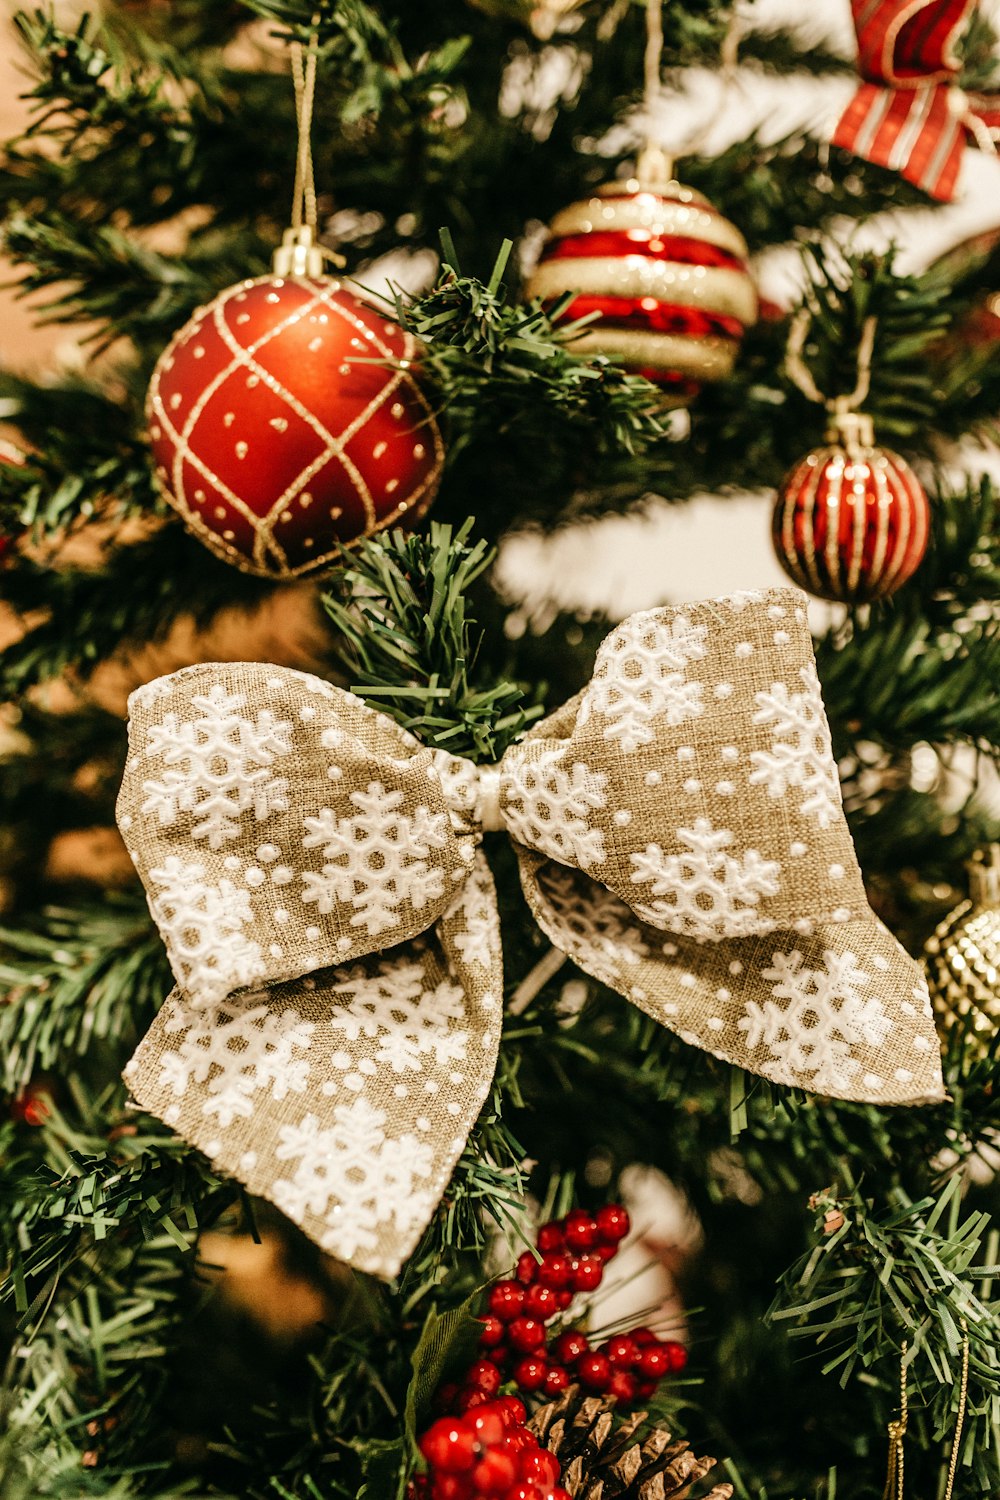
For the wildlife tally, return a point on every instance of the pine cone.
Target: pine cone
(604, 1461)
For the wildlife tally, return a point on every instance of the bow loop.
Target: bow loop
(286, 825)
(908, 114)
(332, 922)
(694, 776)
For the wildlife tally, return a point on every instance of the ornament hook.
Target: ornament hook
(846, 424)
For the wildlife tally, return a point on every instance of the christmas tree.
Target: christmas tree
(436, 927)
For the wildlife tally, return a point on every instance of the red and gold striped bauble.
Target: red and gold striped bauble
(851, 520)
(666, 273)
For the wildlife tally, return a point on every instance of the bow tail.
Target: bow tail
(346, 1097)
(837, 1008)
(912, 131)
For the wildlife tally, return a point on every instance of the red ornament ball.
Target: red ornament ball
(851, 521)
(667, 275)
(275, 437)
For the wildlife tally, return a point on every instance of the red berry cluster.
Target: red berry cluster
(515, 1345)
(573, 1253)
(487, 1454)
(628, 1366)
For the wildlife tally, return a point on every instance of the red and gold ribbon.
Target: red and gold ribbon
(909, 114)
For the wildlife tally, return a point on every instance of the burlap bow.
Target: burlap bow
(908, 114)
(332, 922)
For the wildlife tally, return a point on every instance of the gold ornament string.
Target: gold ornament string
(801, 375)
(304, 79)
(729, 53)
(654, 165)
(897, 1432)
(963, 1396)
(652, 84)
(846, 422)
(894, 1486)
(299, 253)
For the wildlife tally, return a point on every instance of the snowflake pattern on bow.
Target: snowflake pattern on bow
(640, 675)
(703, 891)
(811, 1036)
(372, 1179)
(547, 806)
(219, 766)
(591, 919)
(236, 1049)
(202, 925)
(801, 754)
(477, 939)
(377, 859)
(409, 1022)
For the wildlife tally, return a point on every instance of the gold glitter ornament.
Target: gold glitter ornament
(962, 958)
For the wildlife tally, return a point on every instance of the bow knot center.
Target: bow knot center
(471, 792)
(488, 809)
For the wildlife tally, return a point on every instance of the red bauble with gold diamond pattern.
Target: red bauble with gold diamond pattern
(666, 274)
(851, 520)
(284, 419)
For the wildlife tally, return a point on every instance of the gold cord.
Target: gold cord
(304, 79)
(652, 62)
(897, 1432)
(799, 373)
(729, 53)
(963, 1397)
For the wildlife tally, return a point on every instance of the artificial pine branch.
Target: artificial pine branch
(480, 342)
(76, 979)
(145, 1184)
(85, 457)
(922, 666)
(407, 640)
(99, 273)
(876, 1281)
(134, 598)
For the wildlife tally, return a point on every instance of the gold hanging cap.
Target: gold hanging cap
(984, 876)
(654, 168)
(852, 429)
(298, 254)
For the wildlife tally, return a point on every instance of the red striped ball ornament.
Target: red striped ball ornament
(851, 520)
(666, 274)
